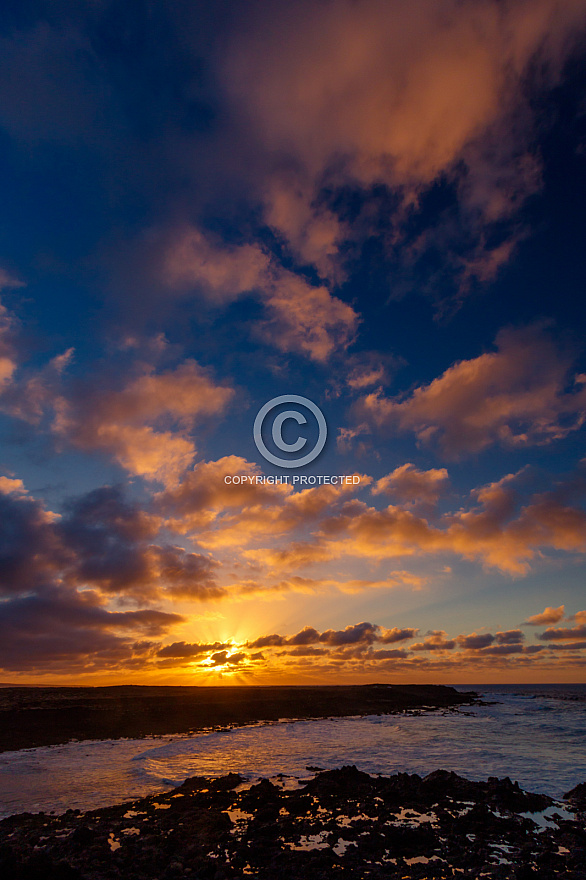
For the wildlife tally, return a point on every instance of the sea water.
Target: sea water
(533, 734)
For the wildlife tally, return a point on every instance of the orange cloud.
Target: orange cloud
(368, 370)
(548, 615)
(307, 319)
(7, 352)
(220, 272)
(25, 394)
(203, 493)
(226, 514)
(251, 588)
(412, 486)
(515, 396)
(396, 94)
(299, 317)
(435, 640)
(497, 531)
(10, 485)
(145, 424)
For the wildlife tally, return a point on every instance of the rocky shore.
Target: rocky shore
(32, 717)
(338, 823)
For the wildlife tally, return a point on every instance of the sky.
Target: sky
(373, 205)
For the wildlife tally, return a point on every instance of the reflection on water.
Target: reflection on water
(537, 739)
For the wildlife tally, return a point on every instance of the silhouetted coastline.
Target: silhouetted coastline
(42, 716)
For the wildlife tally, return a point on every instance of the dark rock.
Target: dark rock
(386, 823)
(577, 795)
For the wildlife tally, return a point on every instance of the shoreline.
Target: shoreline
(340, 821)
(37, 717)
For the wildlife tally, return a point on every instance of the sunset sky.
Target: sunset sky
(378, 205)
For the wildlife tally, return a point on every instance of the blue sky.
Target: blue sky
(376, 206)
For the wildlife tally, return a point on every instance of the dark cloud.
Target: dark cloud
(503, 650)
(109, 537)
(307, 651)
(390, 636)
(390, 654)
(31, 551)
(221, 658)
(273, 641)
(60, 573)
(475, 641)
(510, 637)
(562, 633)
(68, 630)
(103, 541)
(359, 633)
(307, 636)
(186, 649)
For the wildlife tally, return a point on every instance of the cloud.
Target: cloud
(7, 332)
(365, 633)
(272, 641)
(26, 393)
(144, 422)
(222, 658)
(184, 650)
(412, 486)
(299, 317)
(375, 93)
(220, 272)
(506, 537)
(145, 425)
(369, 369)
(66, 577)
(112, 545)
(474, 641)
(203, 493)
(500, 529)
(515, 396)
(62, 629)
(101, 541)
(357, 634)
(283, 115)
(548, 615)
(435, 640)
(510, 637)
(31, 554)
(503, 650)
(9, 485)
(566, 633)
(224, 514)
(8, 281)
(355, 651)
(390, 636)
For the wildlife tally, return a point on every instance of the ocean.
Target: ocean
(535, 734)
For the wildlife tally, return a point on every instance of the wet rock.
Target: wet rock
(577, 795)
(344, 822)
